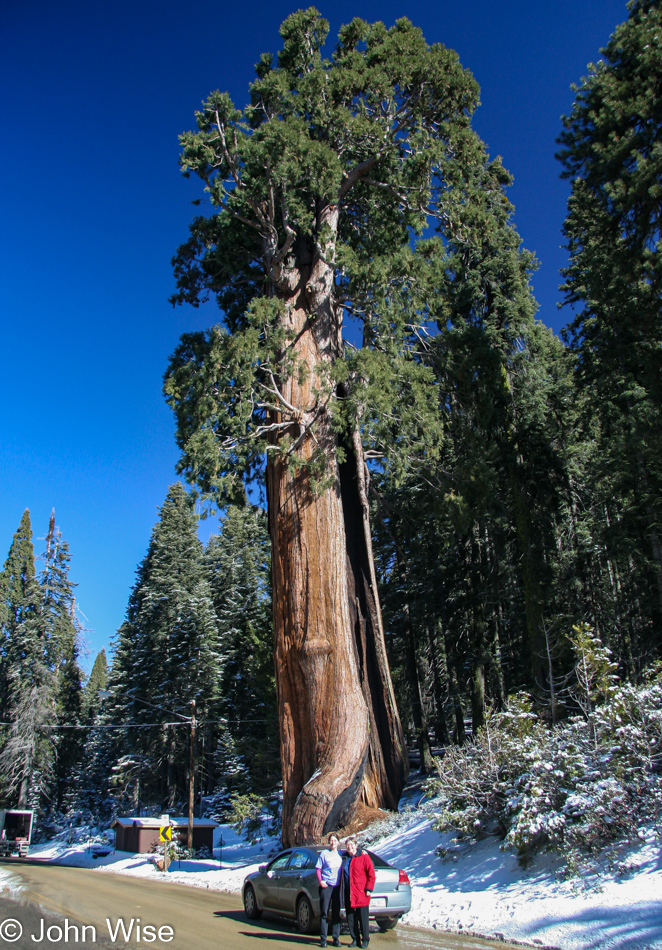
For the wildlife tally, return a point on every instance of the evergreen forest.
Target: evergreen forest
(511, 479)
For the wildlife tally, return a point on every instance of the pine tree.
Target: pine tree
(61, 633)
(18, 599)
(610, 152)
(69, 740)
(490, 518)
(165, 656)
(238, 567)
(90, 784)
(27, 682)
(98, 681)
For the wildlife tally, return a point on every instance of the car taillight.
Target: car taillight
(403, 879)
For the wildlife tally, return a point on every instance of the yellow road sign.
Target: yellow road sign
(166, 833)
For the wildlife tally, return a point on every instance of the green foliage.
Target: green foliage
(213, 385)
(98, 681)
(61, 632)
(547, 478)
(571, 788)
(339, 163)
(611, 153)
(594, 669)
(40, 679)
(247, 815)
(238, 566)
(28, 687)
(19, 605)
(540, 508)
(198, 626)
(166, 655)
(485, 527)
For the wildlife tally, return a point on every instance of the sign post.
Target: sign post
(165, 835)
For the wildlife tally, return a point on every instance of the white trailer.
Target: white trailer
(15, 832)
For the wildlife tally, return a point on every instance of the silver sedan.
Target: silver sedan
(288, 886)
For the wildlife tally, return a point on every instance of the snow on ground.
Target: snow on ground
(481, 890)
(239, 859)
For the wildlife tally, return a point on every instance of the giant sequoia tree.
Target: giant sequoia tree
(321, 192)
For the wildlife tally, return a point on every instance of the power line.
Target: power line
(128, 725)
(105, 693)
(152, 725)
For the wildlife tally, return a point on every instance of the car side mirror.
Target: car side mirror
(262, 868)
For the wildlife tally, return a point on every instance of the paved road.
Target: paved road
(200, 919)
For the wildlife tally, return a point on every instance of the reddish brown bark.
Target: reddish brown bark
(341, 739)
(387, 764)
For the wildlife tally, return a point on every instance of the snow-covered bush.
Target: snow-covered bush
(574, 787)
(483, 784)
(392, 823)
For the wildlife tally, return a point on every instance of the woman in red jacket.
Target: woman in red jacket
(359, 882)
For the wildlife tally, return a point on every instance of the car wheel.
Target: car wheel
(386, 923)
(253, 912)
(305, 916)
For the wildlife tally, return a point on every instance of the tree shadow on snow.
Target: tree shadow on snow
(628, 927)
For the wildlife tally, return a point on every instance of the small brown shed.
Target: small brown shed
(141, 835)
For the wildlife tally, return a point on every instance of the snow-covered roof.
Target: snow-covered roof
(157, 822)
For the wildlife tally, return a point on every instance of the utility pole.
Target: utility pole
(191, 778)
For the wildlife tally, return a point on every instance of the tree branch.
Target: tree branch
(350, 180)
(297, 413)
(231, 165)
(384, 186)
(280, 256)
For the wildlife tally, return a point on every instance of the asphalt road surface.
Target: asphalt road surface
(58, 902)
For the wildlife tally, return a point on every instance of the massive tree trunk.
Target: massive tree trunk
(341, 738)
(388, 763)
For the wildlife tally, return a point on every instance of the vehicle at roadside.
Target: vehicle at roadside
(288, 887)
(15, 832)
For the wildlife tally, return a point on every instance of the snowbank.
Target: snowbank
(484, 891)
(239, 859)
(481, 890)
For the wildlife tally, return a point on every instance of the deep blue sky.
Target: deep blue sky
(94, 95)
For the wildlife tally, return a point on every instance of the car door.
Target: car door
(291, 879)
(272, 879)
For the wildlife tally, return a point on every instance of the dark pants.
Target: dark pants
(358, 921)
(330, 900)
